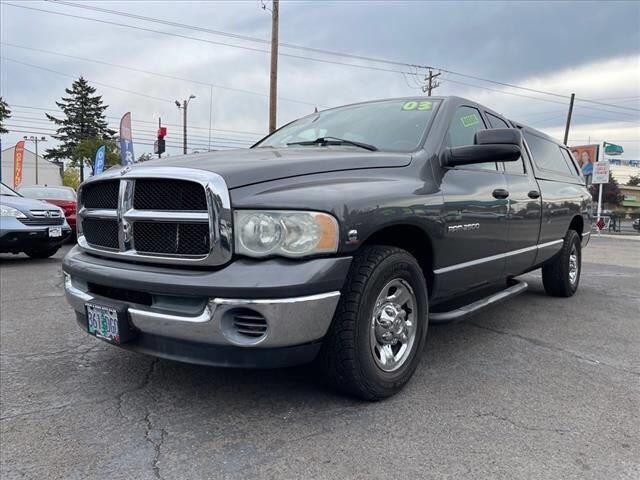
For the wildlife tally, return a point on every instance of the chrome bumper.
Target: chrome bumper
(290, 321)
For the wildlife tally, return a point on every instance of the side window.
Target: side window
(516, 167)
(465, 123)
(546, 154)
(496, 122)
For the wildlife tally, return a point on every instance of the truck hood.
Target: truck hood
(248, 166)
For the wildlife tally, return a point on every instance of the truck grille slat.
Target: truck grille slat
(101, 233)
(153, 194)
(172, 238)
(100, 195)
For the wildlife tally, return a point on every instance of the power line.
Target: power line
(316, 50)
(93, 81)
(141, 131)
(240, 132)
(213, 42)
(163, 75)
(504, 92)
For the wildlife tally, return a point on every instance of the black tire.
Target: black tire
(556, 275)
(347, 357)
(42, 253)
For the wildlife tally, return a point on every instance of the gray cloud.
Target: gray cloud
(513, 42)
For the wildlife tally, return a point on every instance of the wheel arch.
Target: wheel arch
(411, 238)
(577, 224)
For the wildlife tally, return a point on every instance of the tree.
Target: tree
(71, 178)
(145, 157)
(610, 192)
(84, 118)
(85, 152)
(4, 114)
(634, 181)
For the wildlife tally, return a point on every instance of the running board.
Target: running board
(462, 312)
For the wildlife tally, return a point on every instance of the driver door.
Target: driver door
(475, 228)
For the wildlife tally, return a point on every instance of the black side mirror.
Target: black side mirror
(496, 145)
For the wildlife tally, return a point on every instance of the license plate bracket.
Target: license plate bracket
(109, 322)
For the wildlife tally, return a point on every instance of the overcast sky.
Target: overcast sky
(590, 48)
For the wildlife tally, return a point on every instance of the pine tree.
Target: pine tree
(4, 114)
(84, 119)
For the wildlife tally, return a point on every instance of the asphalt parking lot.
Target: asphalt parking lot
(535, 388)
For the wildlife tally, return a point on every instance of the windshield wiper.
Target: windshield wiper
(335, 141)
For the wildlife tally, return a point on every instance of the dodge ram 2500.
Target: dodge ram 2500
(338, 238)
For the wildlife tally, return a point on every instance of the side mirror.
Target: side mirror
(496, 145)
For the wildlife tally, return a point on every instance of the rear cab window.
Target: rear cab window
(547, 155)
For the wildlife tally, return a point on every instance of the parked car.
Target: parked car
(31, 226)
(337, 238)
(64, 197)
(636, 224)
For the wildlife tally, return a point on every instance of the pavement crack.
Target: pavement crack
(521, 425)
(155, 437)
(555, 348)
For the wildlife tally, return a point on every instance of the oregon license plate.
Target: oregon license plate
(55, 232)
(102, 322)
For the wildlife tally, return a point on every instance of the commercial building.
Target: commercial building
(630, 200)
(49, 173)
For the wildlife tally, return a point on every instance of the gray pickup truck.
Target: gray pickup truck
(336, 239)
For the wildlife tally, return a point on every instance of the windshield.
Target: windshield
(48, 193)
(4, 190)
(391, 125)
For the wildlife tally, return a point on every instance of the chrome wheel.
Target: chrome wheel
(574, 268)
(393, 325)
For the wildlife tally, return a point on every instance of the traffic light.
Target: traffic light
(160, 145)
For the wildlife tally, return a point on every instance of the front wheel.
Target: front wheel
(561, 275)
(378, 332)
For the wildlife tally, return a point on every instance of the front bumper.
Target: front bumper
(17, 237)
(191, 315)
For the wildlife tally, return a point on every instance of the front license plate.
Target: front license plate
(55, 232)
(102, 322)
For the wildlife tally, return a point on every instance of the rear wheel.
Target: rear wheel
(42, 253)
(561, 275)
(378, 332)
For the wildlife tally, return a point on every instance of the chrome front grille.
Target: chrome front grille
(158, 215)
(43, 217)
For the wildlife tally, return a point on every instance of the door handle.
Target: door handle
(500, 193)
(534, 194)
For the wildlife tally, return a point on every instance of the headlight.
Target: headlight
(6, 211)
(261, 233)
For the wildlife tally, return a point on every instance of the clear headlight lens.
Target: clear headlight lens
(261, 233)
(6, 211)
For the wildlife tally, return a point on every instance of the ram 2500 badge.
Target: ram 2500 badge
(338, 238)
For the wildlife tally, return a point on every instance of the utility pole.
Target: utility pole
(566, 128)
(183, 106)
(273, 85)
(431, 82)
(35, 140)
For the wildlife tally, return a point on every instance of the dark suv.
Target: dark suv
(338, 238)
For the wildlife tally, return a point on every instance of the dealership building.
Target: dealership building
(49, 173)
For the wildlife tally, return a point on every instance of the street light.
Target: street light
(35, 140)
(183, 106)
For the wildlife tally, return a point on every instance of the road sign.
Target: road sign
(613, 149)
(600, 172)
